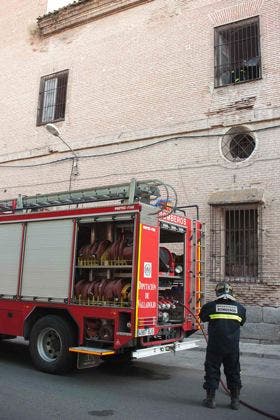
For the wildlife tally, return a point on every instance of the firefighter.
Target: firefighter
(224, 315)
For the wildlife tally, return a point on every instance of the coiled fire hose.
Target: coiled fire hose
(251, 407)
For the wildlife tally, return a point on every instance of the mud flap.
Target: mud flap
(85, 361)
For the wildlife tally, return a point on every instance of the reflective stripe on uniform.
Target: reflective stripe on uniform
(226, 316)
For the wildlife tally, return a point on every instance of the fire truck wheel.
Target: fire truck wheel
(50, 340)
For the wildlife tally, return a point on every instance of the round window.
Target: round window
(238, 144)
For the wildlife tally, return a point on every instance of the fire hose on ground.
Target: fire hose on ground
(251, 407)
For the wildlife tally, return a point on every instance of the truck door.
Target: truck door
(147, 280)
(47, 261)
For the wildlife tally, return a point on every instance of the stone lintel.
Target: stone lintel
(82, 12)
(246, 196)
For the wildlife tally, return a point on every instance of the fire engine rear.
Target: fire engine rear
(87, 283)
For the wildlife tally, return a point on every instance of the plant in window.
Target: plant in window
(237, 52)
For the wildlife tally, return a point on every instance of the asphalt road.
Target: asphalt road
(163, 387)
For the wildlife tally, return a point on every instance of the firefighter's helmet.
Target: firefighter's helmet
(224, 290)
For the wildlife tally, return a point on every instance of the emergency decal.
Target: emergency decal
(230, 309)
(173, 218)
(147, 270)
(147, 293)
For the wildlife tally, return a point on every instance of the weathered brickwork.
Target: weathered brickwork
(145, 77)
(82, 12)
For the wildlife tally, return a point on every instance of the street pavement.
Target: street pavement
(260, 373)
(163, 387)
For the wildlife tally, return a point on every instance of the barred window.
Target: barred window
(52, 97)
(236, 243)
(237, 52)
(238, 144)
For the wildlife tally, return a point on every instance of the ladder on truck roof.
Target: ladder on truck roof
(132, 192)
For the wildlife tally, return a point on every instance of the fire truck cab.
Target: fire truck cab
(85, 283)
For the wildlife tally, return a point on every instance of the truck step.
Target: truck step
(96, 351)
(165, 348)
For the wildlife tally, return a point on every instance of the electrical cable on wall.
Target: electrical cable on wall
(130, 149)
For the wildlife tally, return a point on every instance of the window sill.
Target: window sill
(39, 123)
(238, 83)
(82, 12)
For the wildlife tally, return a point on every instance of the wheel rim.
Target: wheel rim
(49, 344)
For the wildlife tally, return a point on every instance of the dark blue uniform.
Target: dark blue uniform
(225, 317)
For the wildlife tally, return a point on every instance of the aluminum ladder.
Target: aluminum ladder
(131, 192)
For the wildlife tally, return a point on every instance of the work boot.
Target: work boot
(210, 399)
(234, 395)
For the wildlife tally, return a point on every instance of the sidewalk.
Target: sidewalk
(268, 351)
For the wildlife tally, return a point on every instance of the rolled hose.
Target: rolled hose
(258, 410)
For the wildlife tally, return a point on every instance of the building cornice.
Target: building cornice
(81, 12)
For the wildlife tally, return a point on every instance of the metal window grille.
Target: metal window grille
(236, 243)
(238, 144)
(241, 146)
(52, 97)
(237, 52)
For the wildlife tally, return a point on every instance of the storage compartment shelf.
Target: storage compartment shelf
(95, 302)
(168, 276)
(105, 267)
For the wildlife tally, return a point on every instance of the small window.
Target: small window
(52, 98)
(238, 144)
(236, 243)
(237, 52)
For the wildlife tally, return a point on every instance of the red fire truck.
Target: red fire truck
(84, 282)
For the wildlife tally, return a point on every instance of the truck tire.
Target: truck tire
(49, 342)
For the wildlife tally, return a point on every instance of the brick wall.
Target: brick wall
(144, 77)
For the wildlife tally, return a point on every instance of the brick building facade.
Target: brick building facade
(182, 91)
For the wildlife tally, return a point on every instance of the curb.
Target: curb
(246, 353)
(261, 355)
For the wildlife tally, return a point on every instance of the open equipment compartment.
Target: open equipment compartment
(172, 282)
(104, 261)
